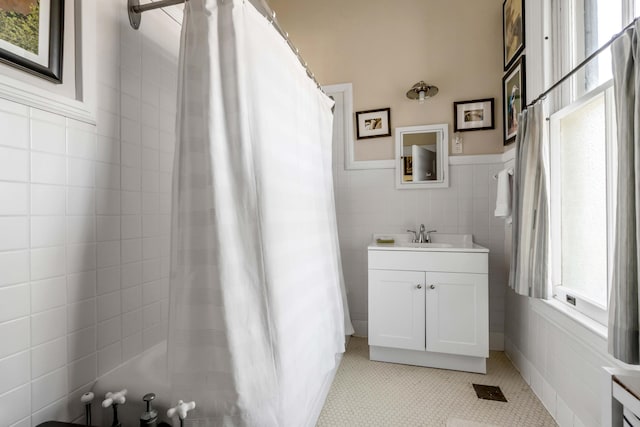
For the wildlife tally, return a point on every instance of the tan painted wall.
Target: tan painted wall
(384, 47)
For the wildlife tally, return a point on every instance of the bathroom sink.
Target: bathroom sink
(440, 242)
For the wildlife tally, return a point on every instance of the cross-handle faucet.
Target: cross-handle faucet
(421, 236)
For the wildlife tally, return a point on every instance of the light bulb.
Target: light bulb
(421, 97)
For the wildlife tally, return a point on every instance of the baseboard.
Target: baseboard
(518, 360)
(361, 328)
(496, 341)
(550, 399)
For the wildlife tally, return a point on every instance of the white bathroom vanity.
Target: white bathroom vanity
(429, 302)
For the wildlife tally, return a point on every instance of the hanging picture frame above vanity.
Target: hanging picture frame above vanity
(473, 115)
(513, 99)
(373, 123)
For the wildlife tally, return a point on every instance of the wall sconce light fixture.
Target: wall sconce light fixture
(422, 91)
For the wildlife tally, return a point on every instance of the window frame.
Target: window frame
(560, 55)
(566, 52)
(564, 294)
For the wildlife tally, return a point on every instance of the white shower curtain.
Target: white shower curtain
(257, 314)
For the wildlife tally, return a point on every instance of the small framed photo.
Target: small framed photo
(513, 99)
(473, 115)
(31, 36)
(407, 168)
(512, 30)
(373, 123)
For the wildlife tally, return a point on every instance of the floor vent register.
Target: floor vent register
(489, 392)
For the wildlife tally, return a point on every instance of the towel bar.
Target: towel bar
(510, 172)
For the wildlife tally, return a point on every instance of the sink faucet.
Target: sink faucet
(424, 236)
(421, 236)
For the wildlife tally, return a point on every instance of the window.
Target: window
(582, 170)
(600, 22)
(580, 28)
(582, 150)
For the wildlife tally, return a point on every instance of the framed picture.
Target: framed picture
(513, 98)
(31, 36)
(407, 168)
(373, 123)
(512, 30)
(473, 115)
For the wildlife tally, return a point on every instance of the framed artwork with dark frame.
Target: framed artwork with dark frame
(373, 123)
(473, 115)
(512, 30)
(31, 36)
(407, 168)
(513, 99)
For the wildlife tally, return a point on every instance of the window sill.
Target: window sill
(577, 325)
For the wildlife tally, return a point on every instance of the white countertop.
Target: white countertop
(440, 242)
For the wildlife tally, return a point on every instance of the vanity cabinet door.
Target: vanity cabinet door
(396, 309)
(457, 313)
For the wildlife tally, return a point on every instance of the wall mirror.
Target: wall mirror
(422, 156)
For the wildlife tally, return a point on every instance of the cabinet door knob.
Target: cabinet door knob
(432, 287)
(419, 286)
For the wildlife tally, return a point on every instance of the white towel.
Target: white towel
(503, 199)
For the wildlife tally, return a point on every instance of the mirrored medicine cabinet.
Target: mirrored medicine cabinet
(422, 156)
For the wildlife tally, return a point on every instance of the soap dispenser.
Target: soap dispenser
(150, 417)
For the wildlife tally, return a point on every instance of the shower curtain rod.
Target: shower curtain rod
(136, 9)
(582, 64)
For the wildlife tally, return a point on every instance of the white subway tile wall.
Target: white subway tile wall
(48, 357)
(84, 243)
(14, 336)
